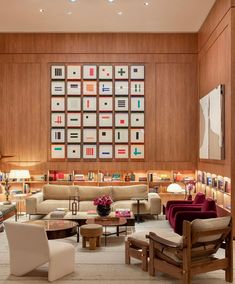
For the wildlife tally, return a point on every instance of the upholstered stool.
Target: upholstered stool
(91, 233)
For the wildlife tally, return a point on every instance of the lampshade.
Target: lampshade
(19, 174)
(175, 188)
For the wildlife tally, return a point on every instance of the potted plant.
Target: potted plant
(103, 205)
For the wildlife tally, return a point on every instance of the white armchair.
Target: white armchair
(27, 253)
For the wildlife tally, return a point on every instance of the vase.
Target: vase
(103, 210)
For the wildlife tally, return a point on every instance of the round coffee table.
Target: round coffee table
(57, 229)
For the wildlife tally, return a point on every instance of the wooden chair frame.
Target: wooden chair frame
(193, 261)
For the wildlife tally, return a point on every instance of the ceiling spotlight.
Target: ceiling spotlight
(69, 13)
(111, 1)
(119, 13)
(42, 10)
(146, 3)
(72, 1)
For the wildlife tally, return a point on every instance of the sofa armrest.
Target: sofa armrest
(178, 208)
(32, 202)
(155, 203)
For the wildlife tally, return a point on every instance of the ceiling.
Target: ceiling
(103, 16)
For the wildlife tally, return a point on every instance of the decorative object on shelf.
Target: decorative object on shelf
(103, 205)
(20, 175)
(190, 187)
(74, 204)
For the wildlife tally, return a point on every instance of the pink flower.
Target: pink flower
(104, 200)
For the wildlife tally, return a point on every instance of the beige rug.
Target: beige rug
(102, 266)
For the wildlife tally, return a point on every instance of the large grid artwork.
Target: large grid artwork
(97, 111)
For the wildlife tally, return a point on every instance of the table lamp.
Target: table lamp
(175, 188)
(19, 174)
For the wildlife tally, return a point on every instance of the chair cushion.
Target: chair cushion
(87, 193)
(59, 192)
(208, 205)
(49, 205)
(127, 192)
(199, 198)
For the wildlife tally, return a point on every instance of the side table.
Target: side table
(138, 199)
(20, 202)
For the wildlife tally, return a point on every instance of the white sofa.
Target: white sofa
(54, 196)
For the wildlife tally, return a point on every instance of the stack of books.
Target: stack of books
(125, 212)
(79, 177)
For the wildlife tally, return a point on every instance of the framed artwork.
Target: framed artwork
(105, 119)
(121, 135)
(121, 72)
(121, 88)
(204, 128)
(137, 88)
(137, 151)
(73, 119)
(89, 151)
(89, 135)
(105, 88)
(89, 119)
(105, 72)
(137, 135)
(137, 104)
(73, 135)
(57, 104)
(58, 151)
(57, 119)
(121, 151)
(89, 104)
(121, 120)
(106, 151)
(73, 103)
(89, 88)
(73, 151)
(105, 104)
(73, 88)
(105, 135)
(137, 72)
(57, 135)
(137, 119)
(73, 72)
(58, 88)
(89, 72)
(121, 104)
(57, 72)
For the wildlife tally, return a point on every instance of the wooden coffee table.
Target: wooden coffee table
(57, 229)
(109, 222)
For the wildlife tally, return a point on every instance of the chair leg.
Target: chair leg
(151, 259)
(127, 256)
(92, 243)
(144, 264)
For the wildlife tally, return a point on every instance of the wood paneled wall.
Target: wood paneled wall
(171, 95)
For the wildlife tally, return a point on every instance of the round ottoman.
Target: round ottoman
(91, 233)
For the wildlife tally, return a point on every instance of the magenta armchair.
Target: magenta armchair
(198, 200)
(189, 213)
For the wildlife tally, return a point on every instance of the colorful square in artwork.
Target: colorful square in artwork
(105, 72)
(74, 72)
(137, 119)
(105, 135)
(73, 103)
(121, 120)
(137, 151)
(57, 135)
(89, 104)
(105, 104)
(89, 151)
(137, 88)
(89, 135)
(121, 88)
(58, 151)
(58, 119)
(89, 72)
(89, 119)
(73, 119)
(121, 72)
(73, 135)
(57, 104)
(73, 151)
(105, 119)
(74, 88)
(137, 72)
(137, 135)
(58, 88)
(105, 88)
(137, 104)
(121, 135)
(105, 151)
(57, 72)
(89, 88)
(121, 152)
(121, 104)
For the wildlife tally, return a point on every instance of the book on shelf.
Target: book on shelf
(79, 177)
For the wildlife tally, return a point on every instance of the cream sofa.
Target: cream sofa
(54, 196)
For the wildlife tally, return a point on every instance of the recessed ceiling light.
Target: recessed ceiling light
(119, 13)
(146, 3)
(111, 1)
(69, 13)
(72, 1)
(42, 10)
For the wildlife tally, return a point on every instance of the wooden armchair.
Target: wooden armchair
(194, 253)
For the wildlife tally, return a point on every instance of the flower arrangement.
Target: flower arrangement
(104, 200)
(191, 185)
